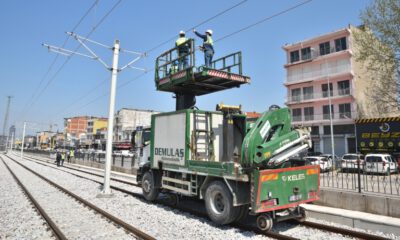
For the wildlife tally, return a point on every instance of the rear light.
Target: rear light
(312, 194)
(270, 202)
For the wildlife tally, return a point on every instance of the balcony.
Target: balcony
(317, 96)
(342, 117)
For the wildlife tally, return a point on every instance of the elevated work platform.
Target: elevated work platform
(178, 73)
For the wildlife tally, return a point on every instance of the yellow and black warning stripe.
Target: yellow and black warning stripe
(377, 120)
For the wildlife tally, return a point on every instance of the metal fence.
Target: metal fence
(117, 159)
(356, 177)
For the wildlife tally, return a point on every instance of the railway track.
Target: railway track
(78, 206)
(275, 235)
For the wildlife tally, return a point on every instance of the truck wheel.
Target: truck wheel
(264, 222)
(242, 213)
(150, 192)
(303, 215)
(219, 203)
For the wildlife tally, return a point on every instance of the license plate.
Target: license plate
(294, 198)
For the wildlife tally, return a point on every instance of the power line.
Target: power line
(220, 39)
(56, 57)
(76, 49)
(164, 42)
(197, 25)
(264, 19)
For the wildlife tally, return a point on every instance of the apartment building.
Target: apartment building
(126, 121)
(93, 125)
(325, 83)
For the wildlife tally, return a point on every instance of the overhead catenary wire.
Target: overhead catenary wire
(165, 42)
(76, 49)
(219, 39)
(56, 57)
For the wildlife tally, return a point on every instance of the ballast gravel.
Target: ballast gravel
(74, 219)
(18, 216)
(163, 222)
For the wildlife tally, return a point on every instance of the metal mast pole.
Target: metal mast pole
(6, 116)
(23, 142)
(114, 72)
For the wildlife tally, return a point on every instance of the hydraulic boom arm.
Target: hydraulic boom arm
(272, 140)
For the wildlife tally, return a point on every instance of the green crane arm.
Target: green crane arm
(272, 140)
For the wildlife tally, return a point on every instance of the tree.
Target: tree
(379, 52)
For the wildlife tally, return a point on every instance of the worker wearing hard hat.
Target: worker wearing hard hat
(183, 50)
(207, 46)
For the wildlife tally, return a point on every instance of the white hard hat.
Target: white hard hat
(181, 32)
(209, 31)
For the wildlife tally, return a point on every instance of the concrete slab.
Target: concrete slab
(355, 219)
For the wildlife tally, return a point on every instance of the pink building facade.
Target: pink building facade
(321, 72)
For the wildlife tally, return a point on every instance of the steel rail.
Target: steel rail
(109, 216)
(52, 225)
(333, 229)
(200, 214)
(348, 232)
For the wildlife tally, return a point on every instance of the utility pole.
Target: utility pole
(114, 73)
(23, 142)
(6, 121)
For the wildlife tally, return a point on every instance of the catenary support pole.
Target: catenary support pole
(23, 142)
(114, 73)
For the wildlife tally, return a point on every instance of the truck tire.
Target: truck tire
(242, 213)
(219, 203)
(150, 192)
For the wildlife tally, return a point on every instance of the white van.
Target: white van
(379, 163)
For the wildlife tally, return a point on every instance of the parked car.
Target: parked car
(324, 163)
(380, 163)
(335, 161)
(349, 162)
(126, 153)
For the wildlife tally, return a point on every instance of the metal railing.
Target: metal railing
(231, 63)
(118, 160)
(171, 61)
(355, 176)
(321, 117)
(319, 95)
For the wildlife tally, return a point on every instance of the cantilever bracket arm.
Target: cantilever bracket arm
(65, 51)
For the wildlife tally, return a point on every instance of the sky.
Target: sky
(47, 87)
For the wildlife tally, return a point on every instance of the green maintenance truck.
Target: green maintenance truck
(215, 156)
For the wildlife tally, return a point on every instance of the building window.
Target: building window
(308, 113)
(340, 44)
(324, 48)
(314, 130)
(294, 56)
(306, 53)
(345, 110)
(344, 87)
(296, 94)
(339, 129)
(325, 112)
(296, 114)
(308, 93)
(324, 88)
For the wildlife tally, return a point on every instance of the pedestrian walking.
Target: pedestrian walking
(62, 158)
(208, 46)
(58, 158)
(183, 50)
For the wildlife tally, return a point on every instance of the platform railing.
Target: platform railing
(231, 63)
(171, 62)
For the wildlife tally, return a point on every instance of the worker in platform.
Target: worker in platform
(207, 46)
(183, 50)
